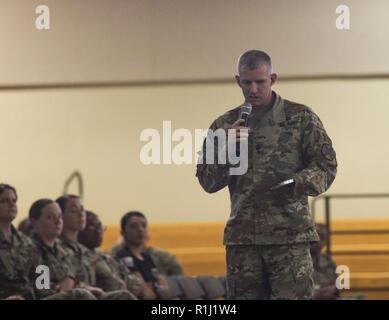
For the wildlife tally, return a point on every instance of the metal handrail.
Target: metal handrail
(327, 209)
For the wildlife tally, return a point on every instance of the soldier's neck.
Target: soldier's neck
(48, 241)
(5, 226)
(70, 235)
(136, 250)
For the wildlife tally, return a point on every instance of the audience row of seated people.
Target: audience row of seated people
(64, 237)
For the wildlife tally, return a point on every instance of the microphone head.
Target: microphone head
(246, 108)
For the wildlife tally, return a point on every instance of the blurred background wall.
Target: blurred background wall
(77, 96)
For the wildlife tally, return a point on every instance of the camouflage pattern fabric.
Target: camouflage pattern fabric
(269, 272)
(81, 261)
(57, 259)
(17, 265)
(324, 271)
(288, 141)
(112, 274)
(87, 270)
(166, 262)
(73, 294)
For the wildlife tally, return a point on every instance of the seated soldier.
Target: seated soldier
(165, 262)
(83, 261)
(17, 259)
(18, 256)
(92, 238)
(324, 274)
(140, 259)
(46, 219)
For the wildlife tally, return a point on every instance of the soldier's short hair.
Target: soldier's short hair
(128, 216)
(35, 211)
(4, 186)
(62, 200)
(253, 59)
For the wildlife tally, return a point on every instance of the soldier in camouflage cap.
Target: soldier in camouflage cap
(269, 231)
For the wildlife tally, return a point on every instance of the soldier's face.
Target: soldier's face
(256, 85)
(74, 217)
(8, 207)
(93, 234)
(49, 225)
(136, 231)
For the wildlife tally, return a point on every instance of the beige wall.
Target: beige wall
(46, 134)
(158, 40)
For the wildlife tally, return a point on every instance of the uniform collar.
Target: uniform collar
(275, 115)
(278, 111)
(15, 236)
(44, 246)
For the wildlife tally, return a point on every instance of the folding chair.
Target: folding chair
(175, 292)
(191, 288)
(214, 290)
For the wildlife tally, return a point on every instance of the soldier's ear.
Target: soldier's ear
(237, 79)
(273, 78)
(33, 222)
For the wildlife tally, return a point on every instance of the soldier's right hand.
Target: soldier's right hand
(94, 289)
(66, 284)
(239, 135)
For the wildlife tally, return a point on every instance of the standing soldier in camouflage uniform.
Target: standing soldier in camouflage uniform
(269, 231)
(82, 260)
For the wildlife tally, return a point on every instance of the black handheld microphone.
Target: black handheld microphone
(245, 113)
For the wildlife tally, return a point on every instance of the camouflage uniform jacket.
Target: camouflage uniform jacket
(288, 141)
(57, 259)
(17, 265)
(119, 276)
(81, 261)
(166, 262)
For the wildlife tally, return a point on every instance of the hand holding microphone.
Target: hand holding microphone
(240, 124)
